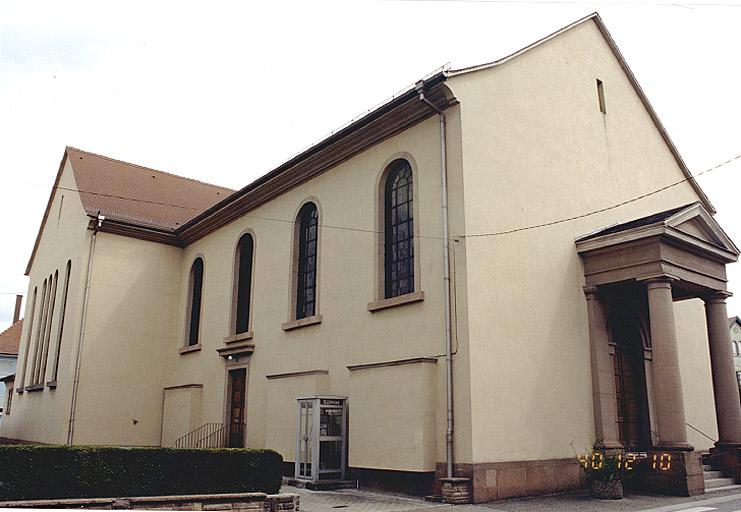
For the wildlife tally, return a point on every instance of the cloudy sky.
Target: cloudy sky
(224, 92)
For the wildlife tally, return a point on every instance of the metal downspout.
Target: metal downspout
(71, 429)
(446, 280)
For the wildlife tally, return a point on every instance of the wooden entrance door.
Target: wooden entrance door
(630, 389)
(237, 381)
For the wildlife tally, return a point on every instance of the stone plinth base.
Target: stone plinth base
(456, 491)
(677, 473)
(727, 457)
(492, 481)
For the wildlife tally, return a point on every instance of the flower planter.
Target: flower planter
(604, 490)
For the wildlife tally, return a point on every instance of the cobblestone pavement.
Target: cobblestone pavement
(352, 500)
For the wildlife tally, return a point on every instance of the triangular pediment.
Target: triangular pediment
(696, 222)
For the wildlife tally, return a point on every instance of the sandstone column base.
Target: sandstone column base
(727, 456)
(677, 473)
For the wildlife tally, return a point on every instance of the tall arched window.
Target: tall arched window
(43, 310)
(62, 314)
(243, 285)
(194, 293)
(29, 339)
(308, 223)
(398, 230)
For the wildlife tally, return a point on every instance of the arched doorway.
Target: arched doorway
(630, 386)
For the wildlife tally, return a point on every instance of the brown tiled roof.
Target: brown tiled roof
(10, 338)
(139, 195)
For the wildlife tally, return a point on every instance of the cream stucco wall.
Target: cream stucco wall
(282, 406)
(526, 145)
(401, 438)
(43, 415)
(131, 317)
(347, 197)
(131, 323)
(536, 149)
(694, 366)
(181, 412)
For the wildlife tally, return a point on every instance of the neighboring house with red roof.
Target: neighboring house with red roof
(10, 339)
(498, 266)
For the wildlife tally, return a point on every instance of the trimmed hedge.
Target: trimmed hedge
(30, 472)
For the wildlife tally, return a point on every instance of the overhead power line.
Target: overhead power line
(607, 208)
(471, 235)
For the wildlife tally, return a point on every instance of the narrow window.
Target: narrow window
(59, 212)
(45, 351)
(398, 230)
(196, 287)
(601, 96)
(62, 314)
(29, 337)
(9, 401)
(244, 283)
(308, 221)
(41, 330)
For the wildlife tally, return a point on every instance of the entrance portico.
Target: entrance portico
(633, 273)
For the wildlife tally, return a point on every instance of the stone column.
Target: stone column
(668, 396)
(725, 387)
(603, 375)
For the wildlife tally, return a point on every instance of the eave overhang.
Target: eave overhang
(398, 114)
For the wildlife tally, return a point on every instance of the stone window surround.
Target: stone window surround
(380, 273)
(233, 335)
(293, 322)
(189, 305)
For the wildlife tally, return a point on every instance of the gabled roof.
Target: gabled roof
(691, 224)
(133, 195)
(141, 202)
(140, 195)
(734, 319)
(10, 339)
(595, 17)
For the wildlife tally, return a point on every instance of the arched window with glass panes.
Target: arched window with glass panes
(195, 291)
(307, 223)
(398, 205)
(243, 284)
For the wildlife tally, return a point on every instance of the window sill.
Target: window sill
(392, 302)
(303, 322)
(242, 336)
(51, 384)
(190, 348)
(35, 387)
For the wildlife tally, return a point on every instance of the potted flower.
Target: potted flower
(605, 474)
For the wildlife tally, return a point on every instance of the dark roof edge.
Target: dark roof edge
(389, 105)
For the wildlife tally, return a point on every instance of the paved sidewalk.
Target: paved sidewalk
(352, 500)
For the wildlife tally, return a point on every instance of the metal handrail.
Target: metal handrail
(203, 436)
(701, 432)
(208, 435)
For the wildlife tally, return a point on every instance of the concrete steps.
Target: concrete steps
(715, 481)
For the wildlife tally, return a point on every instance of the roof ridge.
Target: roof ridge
(148, 169)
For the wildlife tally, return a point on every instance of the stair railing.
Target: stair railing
(208, 435)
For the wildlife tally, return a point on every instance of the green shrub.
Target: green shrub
(30, 472)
